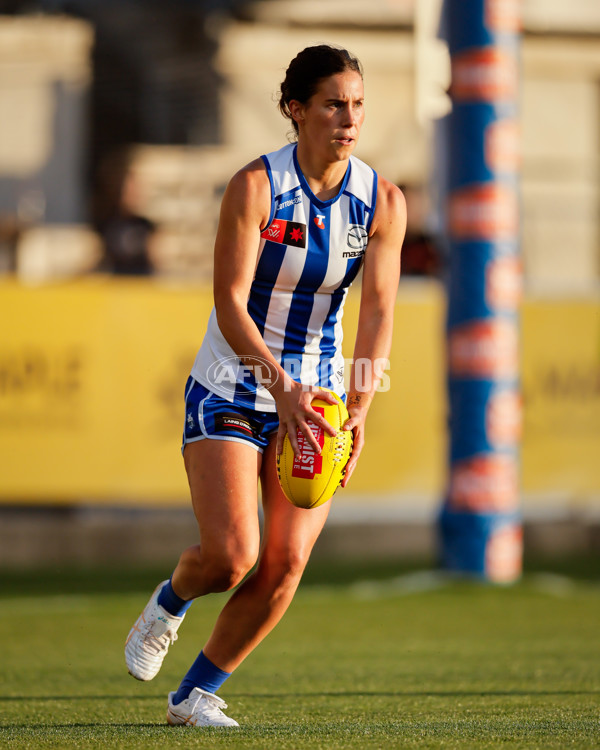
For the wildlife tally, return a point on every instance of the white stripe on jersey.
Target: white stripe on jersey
(299, 287)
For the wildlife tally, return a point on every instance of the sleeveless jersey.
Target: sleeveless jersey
(310, 252)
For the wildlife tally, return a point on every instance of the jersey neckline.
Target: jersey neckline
(306, 188)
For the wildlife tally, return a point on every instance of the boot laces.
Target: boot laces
(215, 703)
(161, 642)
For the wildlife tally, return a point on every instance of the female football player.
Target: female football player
(296, 226)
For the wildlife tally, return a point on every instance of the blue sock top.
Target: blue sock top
(203, 674)
(172, 603)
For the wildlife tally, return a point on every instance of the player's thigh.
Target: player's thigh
(223, 479)
(289, 532)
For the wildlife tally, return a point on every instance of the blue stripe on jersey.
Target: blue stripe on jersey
(313, 274)
(270, 175)
(326, 345)
(357, 214)
(265, 277)
(372, 208)
(261, 288)
(269, 264)
(355, 202)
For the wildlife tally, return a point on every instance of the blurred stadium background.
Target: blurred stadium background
(121, 123)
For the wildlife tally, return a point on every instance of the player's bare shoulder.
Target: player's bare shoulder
(250, 186)
(245, 208)
(390, 211)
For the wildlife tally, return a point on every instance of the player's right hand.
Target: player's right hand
(294, 408)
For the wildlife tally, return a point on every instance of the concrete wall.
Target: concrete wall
(561, 162)
(45, 70)
(100, 536)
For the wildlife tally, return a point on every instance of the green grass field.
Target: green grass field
(403, 660)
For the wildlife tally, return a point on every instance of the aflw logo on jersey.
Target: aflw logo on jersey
(286, 233)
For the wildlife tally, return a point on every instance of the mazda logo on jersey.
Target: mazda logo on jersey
(286, 233)
(357, 237)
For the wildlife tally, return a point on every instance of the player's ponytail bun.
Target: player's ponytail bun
(308, 68)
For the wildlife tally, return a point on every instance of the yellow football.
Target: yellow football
(310, 479)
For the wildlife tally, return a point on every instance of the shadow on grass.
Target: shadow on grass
(9, 698)
(321, 694)
(89, 725)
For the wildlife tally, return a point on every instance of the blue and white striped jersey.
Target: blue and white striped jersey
(309, 254)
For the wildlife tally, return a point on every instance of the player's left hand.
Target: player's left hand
(356, 423)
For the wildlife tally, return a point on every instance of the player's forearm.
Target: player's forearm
(371, 356)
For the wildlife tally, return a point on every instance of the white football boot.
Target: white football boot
(201, 709)
(149, 639)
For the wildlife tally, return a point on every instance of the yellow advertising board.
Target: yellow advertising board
(560, 455)
(92, 375)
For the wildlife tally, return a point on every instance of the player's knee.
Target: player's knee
(288, 564)
(229, 571)
(230, 564)
(191, 560)
(221, 568)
